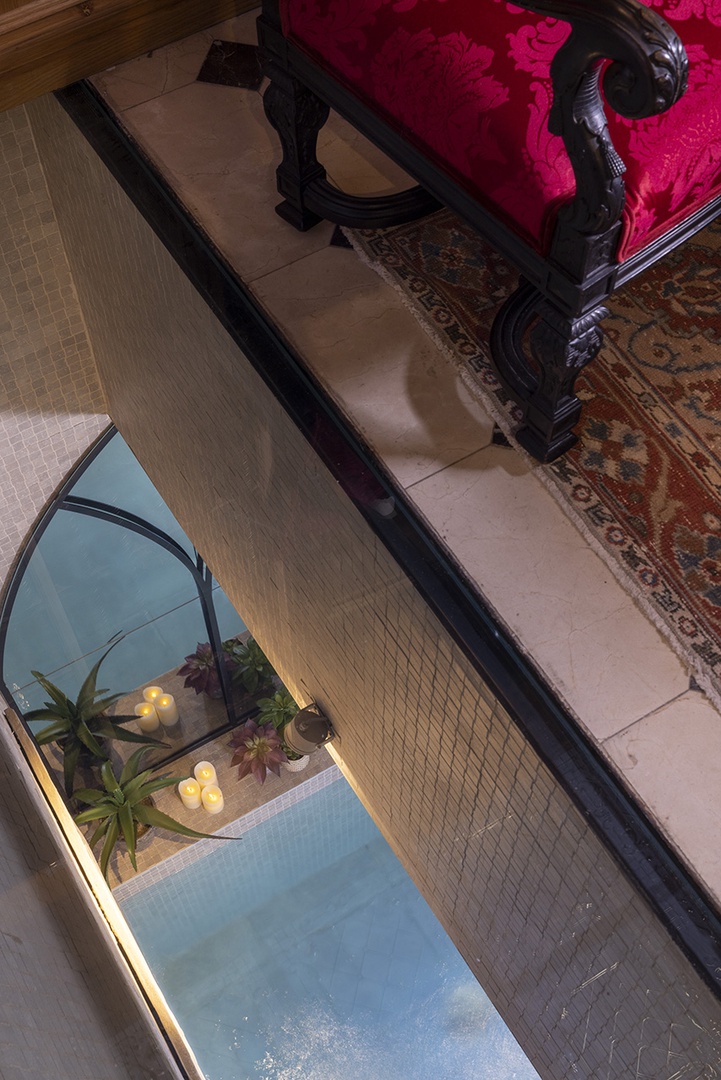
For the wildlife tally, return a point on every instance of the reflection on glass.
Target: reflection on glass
(90, 582)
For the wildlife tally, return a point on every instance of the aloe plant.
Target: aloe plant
(80, 727)
(121, 806)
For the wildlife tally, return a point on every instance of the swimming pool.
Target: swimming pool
(305, 952)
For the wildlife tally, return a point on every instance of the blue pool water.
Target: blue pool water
(305, 952)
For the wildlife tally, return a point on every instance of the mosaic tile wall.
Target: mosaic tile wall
(52, 404)
(588, 982)
(63, 1014)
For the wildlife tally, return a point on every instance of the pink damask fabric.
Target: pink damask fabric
(468, 82)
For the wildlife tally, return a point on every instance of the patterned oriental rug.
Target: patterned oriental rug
(644, 483)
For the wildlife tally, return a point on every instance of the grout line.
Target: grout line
(250, 281)
(646, 716)
(450, 464)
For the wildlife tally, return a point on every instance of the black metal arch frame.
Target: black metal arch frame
(115, 515)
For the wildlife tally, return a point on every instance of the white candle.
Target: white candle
(147, 716)
(152, 693)
(189, 791)
(167, 710)
(212, 797)
(205, 773)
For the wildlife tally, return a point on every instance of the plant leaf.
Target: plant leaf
(94, 813)
(132, 789)
(121, 719)
(100, 831)
(52, 731)
(130, 769)
(111, 837)
(71, 756)
(110, 731)
(87, 738)
(88, 795)
(60, 699)
(127, 824)
(151, 786)
(109, 779)
(88, 691)
(149, 815)
(105, 703)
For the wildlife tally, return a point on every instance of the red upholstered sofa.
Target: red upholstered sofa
(580, 137)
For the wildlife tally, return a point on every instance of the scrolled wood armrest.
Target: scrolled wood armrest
(648, 73)
(650, 68)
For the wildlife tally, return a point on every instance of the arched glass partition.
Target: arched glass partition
(108, 565)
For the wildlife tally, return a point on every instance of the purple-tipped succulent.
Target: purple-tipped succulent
(201, 672)
(257, 749)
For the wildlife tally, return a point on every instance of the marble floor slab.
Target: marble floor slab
(628, 690)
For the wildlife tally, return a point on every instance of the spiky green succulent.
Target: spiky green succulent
(121, 805)
(81, 727)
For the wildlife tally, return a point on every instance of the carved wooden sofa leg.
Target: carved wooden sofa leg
(543, 384)
(298, 115)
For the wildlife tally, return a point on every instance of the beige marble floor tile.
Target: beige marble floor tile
(673, 761)
(241, 28)
(162, 70)
(551, 590)
(225, 173)
(371, 354)
(355, 165)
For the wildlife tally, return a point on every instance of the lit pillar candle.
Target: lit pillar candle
(212, 797)
(205, 773)
(152, 693)
(147, 716)
(189, 791)
(166, 709)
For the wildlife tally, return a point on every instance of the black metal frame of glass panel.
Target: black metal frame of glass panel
(115, 515)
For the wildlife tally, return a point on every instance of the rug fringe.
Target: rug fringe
(687, 657)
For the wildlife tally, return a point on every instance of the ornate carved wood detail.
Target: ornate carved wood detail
(543, 385)
(647, 75)
(297, 114)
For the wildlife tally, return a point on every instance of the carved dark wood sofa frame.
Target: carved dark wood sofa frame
(561, 295)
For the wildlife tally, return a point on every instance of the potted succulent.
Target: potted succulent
(251, 667)
(123, 808)
(81, 727)
(245, 661)
(257, 749)
(279, 710)
(201, 671)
